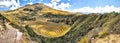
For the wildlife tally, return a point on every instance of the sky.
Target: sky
(84, 6)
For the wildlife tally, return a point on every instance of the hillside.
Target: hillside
(39, 23)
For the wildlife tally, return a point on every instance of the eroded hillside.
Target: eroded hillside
(39, 23)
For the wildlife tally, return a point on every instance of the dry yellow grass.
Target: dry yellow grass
(107, 26)
(48, 29)
(45, 10)
(85, 39)
(11, 17)
(112, 38)
(51, 30)
(54, 11)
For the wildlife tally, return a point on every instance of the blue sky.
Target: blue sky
(90, 6)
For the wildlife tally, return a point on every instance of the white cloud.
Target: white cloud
(30, 3)
(55, 0)
(15, 5)
(40, 1)
(105, 9)
(7, 3)
(61, 6)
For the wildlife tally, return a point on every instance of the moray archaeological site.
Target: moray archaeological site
(39, 23)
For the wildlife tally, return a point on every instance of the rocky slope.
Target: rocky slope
(39, 23)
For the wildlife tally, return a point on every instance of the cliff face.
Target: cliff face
(41, 24)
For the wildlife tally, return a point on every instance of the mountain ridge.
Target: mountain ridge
(47, 25)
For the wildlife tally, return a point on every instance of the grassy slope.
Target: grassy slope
(61, 26)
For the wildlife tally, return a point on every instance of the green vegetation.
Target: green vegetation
(46, 25)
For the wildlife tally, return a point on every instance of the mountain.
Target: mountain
(39, 23)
